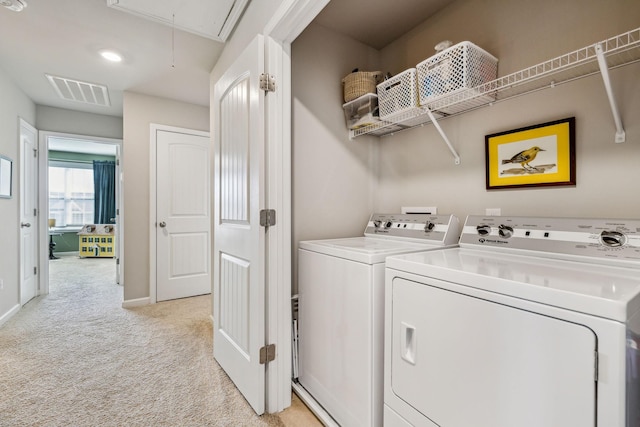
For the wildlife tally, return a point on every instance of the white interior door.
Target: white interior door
(28, 210)
(239, 240)
(183, 221)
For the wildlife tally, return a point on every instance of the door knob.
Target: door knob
(25, 224)
(162, 224)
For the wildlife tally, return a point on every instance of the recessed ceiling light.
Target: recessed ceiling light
(110, 55)
(15, 5)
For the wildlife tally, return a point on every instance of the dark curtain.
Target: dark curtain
(104, 184)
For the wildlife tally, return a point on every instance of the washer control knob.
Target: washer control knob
(613, 239)
(483, 230)
(377, 223)
(387, 224)
(428, 226)
(505, 231)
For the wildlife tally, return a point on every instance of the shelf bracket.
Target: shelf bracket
(604, 70)
(456, 158)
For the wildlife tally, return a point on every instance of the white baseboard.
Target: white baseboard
(138, 302)
(9, 314)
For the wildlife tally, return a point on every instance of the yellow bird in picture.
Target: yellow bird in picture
(525, 157)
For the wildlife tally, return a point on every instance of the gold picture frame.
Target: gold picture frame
(534, 156)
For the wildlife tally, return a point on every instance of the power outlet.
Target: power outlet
(493, 212)
(433, 210)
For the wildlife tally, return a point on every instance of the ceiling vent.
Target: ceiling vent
(211, 19)
(76, 90)
(15, 5)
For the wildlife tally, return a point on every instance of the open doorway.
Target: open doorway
(81, 208)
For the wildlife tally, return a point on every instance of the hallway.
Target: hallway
(76, 357)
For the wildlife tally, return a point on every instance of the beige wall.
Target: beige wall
(338, 182)
(333, 177)
(607, 173)
(416, 168)
(140, 111)
(520, 33)
(55, 119)
(14, 104)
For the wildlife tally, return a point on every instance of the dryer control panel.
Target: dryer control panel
(605, 239)
(425, 228)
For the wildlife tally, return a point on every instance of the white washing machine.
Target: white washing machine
(341, 312)
(531, 322)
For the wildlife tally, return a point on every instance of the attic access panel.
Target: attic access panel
(211, 19)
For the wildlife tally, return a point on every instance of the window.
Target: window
(71, 193)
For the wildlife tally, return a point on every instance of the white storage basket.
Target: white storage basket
(462, 66)
(398, 98)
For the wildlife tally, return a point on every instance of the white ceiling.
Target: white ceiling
(377, 22)
(63, 37)
(211, 19)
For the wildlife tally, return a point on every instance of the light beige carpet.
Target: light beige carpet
(75, 357)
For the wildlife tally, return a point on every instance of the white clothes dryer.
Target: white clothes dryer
(530, 322)
(341, 312)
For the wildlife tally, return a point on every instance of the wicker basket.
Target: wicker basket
(359, 83)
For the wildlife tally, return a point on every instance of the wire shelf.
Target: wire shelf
(619, 50)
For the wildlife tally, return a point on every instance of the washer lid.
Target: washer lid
(600, 290)
(369, 250)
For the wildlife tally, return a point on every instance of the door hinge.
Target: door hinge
(117, 261)
(35, 152)
(117, 211)
(267, 353)
(267, 82)
(117, 162)
(35, 270)
(267, 217)
(35, 212)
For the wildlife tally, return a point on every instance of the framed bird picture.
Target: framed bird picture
(534, 156)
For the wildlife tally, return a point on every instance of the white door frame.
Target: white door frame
(43, 200)
(288, 21)
(153, 143)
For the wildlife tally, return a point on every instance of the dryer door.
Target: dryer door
(464, 361)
